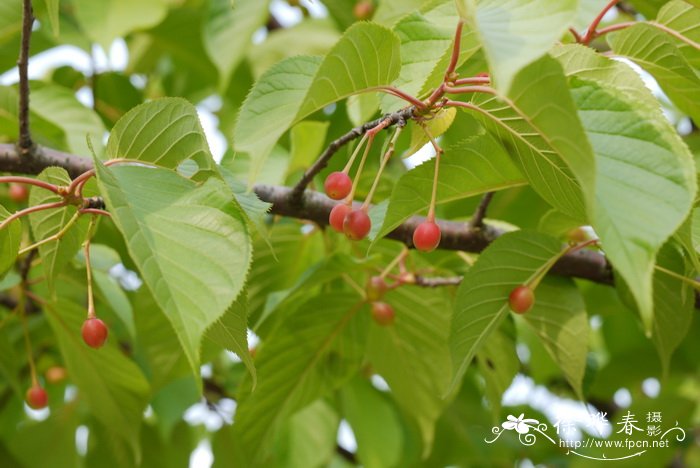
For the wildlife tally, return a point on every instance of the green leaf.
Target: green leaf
(498, 364)
(307, 140)
(436, 126)
(228, 31)
(537, 123)
(366, 56)
(645, 182)
(313, 351)
(655, 51)
(559, 319)
(163, 132)
(685, 20)
(56, 254)
(107, 20)
(55, 436)
(113, 386)
(52, 9)
(231, 332)
(10, 239)
(375, 424)
(413, 354)
(482, 299)
(674, 306)
(166, 219)
(515, 33)
(476, 165)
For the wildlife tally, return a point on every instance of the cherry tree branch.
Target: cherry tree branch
(25, 140)
(477, 220)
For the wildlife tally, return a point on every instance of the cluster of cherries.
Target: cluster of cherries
(382, 313)
(356, 224)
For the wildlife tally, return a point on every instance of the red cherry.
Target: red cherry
(426, 236)
(521, 299)
(94, 332)
(37, 397)
(363, 9)
(18, 193)
(356, 225)
(376, 287)
(338, 185)
(337, 216)
(383, 314)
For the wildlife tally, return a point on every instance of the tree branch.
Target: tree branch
(477, 220)
(394, 118)
(25, 140)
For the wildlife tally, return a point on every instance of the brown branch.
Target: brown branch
(394, 118)
(477, 220)
(316, 207)
(25, 140)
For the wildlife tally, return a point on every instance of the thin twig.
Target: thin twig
(477, 220)
(591, 31)
(25, 143)
(31, 209)
(394, 118)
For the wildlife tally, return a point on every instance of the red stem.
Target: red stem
(576, 35)
(473, 80)
(402, 95)
(612, 28)
(96, 211)
(32, 209)
(469, 89)
(455, 51)
(29, 181)
(591, 31)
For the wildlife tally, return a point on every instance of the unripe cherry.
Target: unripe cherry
(357, 224)
(37, 397)
(521, 299)
(18, 193)
(376, 288)
(363, 9)
(338, 185)
(426, 237)
(383, 314)
(337, 216)
(94, 332)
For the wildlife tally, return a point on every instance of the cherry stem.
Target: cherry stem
(370, 140)
(438, 153)
(31, 209)
(591, 31)
(577, 36)
(394, 262)
(382, 165)
(91, 299)
(27, 341)
(396, 92)
(347, 167)
(29, 181)
(472, 80)
(469, 89)
(695, 284)
(96, 211)
(54, 237)
(456, 46)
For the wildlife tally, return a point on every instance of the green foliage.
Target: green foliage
(228, 301)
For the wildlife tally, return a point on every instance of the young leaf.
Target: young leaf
(537, 122)
(482, 299)
(645, 182)
(515, 33)
(559, 319)
(313, 351)
(165, 132)
(366, 56)
(166, 218)
(56, 254)
(476, 165)
(112, 385)
(10, 238)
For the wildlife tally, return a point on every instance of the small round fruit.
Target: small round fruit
(356, 225)
(426, 236)
(338, 185)
(383, 314)
(18, 193)
(55, 374)
(337, 216)
(94, 332)
(521, 299)
(363, 10)
(376, 288)
(37, 397)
